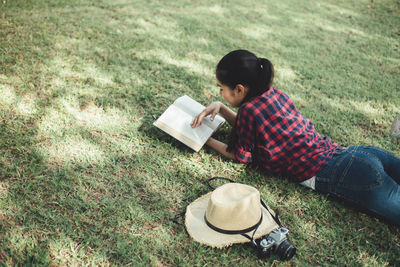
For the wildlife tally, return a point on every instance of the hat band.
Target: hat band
(233, 232)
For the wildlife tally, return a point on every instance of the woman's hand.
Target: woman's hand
(212, 109)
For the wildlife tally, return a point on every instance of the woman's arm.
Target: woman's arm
(220, 147)
(228, 114)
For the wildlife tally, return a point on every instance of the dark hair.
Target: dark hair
(245, 68)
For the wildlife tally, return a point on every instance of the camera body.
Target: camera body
(277, 241)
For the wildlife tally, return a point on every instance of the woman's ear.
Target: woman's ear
(241, 90)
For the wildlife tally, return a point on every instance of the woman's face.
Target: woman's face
(234, 97)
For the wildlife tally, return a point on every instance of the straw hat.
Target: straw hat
(231, 208)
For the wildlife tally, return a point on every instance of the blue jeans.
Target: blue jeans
(365, 176)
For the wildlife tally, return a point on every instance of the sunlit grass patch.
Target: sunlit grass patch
(338, 9)
(285, 74)
(85, 72)
(73, 150)
(7, 95)
(218, 10)
(64, 250)
(366, 259)
(372, 110)
(190, 63)
(94, 117)
(4, 187)
(256, 31)
(69, 114)
(26, 105)
(82, 134)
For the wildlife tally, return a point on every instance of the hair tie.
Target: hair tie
(260, 63)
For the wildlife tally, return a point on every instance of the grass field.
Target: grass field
(85, 179)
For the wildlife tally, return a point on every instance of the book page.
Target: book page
(177, 123)
(194, 108)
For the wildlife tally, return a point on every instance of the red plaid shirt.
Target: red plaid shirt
(272, 133)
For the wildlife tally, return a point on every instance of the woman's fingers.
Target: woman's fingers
(213, 115)
(197, 121)
(212, 109)
(194, 122)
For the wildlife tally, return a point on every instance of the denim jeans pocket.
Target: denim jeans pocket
(360, 172)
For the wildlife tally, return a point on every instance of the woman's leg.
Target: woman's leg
(358, 176)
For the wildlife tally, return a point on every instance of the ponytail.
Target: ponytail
(267, 72)
(265, 76)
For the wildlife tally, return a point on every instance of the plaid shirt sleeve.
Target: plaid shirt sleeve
(246, 134)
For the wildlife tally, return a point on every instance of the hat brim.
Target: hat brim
(201, 232)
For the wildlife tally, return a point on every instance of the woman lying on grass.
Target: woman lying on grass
(270, 132)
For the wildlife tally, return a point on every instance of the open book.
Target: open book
(177, 118)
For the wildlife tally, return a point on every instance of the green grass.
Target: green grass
(85, 179)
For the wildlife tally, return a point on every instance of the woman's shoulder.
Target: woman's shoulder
(263, 100)
(275, 97)
(250, 105)
(253, 107)
(248, 110)
(278, 93)
(269, 102)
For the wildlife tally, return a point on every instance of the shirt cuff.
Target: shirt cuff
(243, 155)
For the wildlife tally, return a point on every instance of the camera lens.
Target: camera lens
(286, 250)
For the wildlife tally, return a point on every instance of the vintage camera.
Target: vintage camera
(277, 242)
